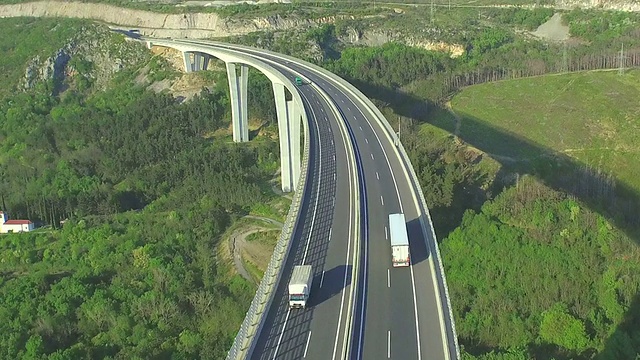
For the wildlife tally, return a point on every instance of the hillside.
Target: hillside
(556, 248)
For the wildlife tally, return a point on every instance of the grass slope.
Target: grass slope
(592, 117)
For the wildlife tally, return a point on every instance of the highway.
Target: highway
(361, 307)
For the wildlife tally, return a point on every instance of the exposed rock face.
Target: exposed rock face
(102, 59)
(192, 25)
(621, 5)
(379, 37)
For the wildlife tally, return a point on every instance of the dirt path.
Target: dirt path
(239, 245)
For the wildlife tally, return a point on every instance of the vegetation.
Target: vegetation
(145, 192)
(567, 114)
(537, 272)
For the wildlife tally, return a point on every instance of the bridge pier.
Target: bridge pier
(289, 134)
(238, 95)
(195, 61)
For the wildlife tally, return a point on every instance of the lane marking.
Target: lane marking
(322, 278)
(389, 344)
(366, 140)
(388, 278)
(330, 229)
(381, 200)
(315, 210)
(360, 127)
(377, 176)
(307, 347)
(372, 156)
(386, 233)
(284, 326)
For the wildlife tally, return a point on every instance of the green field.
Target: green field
(591, 117)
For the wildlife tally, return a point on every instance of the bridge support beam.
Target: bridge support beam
(238, 90)
(289, 134)
(195, 61)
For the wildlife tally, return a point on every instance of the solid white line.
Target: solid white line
(284, 326)
(352, 188)
(315, 210)
(415, 308)
(381, 200)
(377, 176)
(322, 278)
(386, 234)
(388, 278)
(307, 347)
(389, 344)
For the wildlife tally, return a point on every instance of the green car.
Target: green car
(298, 81)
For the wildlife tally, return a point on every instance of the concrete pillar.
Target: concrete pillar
(205, 63)
(289, 133)
(294, 126)
(238, 88)
(197, 61)
(188, 65)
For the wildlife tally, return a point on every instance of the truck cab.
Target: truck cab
(298, 81)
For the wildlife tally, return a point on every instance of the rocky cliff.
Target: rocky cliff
(192, 25)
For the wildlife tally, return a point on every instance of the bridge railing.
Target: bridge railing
(255, 317)
(450, 327)
(450, 331)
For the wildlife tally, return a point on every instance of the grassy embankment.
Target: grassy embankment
(545, 269)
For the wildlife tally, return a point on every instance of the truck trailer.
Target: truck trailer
(400, 255)
(300, 286)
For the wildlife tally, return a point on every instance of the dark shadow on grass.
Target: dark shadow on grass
(603, 194)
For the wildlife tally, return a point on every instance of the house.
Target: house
(14, 226)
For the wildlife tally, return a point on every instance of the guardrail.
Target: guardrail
(451, 334)
(424, 210)
(425, 217)
(255, 317)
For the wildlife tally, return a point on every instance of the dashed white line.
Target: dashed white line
(360, 128)
(381, 200)
(377, 176)
(372, 157)
(284, 326)
(322, 278)
(389, 344)
(386, 233)
(366, 140)
(388, 278)
(307, 346)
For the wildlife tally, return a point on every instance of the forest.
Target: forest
(131, 190)
(145, 186)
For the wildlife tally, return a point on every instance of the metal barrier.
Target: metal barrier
(253, 321)
(240, 345)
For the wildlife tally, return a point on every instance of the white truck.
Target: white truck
(400, 255)
(300, 286)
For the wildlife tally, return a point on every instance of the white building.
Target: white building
(14, 226)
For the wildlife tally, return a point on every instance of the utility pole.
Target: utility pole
(432, 10)
(565, 60)
(621, 61)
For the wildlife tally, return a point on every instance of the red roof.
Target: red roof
(18, 222)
